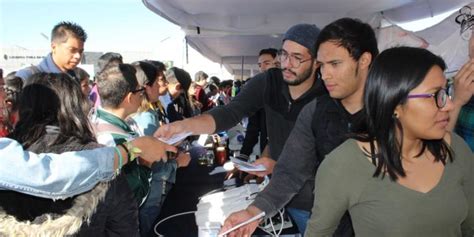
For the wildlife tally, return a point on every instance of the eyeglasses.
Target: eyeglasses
(441, 96)
(142, 90)
(294, 60)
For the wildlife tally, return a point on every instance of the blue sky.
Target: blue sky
(110, 24)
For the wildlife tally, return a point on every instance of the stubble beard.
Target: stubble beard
(299, 78)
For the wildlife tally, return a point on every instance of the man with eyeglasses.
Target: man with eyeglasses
(282, 93)
(67, 48)
(121, 95)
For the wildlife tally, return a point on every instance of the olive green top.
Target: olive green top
(381, 207)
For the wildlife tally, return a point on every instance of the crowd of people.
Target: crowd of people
(63, 109)
(356, 142)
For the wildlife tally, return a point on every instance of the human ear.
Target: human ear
(365, 60)
(53, 47)
(129, 97)
(397, 112)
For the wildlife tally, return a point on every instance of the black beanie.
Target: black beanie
(304, 34)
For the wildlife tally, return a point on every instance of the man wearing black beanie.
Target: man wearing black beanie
(282, 93)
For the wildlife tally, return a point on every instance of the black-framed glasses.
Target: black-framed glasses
(295, 60)
(441, 96)
(140, 90)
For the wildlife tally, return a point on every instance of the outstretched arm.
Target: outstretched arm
(53, 175)
(60, 176)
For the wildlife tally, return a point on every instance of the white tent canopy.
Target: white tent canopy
(232, 32)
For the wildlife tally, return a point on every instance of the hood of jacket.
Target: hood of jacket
(69, 223)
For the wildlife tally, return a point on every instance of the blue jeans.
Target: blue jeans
(163, 177)
(300, 217)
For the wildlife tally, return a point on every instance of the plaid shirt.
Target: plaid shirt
(465, 123)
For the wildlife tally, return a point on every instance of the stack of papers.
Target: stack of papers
(175, 138)
(246, 166)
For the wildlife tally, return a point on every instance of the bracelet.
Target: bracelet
(120, 161)
(134, 152)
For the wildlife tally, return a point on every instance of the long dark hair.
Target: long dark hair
(52, 99)
(394, 73)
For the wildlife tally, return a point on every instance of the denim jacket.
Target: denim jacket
(56, 176)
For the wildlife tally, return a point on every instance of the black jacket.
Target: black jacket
(323, 125)
(255, 128)
(269, 91)
(109, 209)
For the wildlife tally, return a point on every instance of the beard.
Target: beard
(299, 78)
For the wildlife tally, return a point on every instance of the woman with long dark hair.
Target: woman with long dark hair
(53, 118)
(403, 174)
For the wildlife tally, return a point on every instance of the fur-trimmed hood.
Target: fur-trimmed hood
(84, 207)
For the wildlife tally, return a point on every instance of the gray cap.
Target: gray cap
(304, 34)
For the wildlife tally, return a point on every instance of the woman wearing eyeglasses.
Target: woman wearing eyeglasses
(402, 174)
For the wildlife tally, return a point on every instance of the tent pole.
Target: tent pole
(242, 70)
(187, 53)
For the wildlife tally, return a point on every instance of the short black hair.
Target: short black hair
(215, 80)
(352, 34)
(272, 51)
(213, 87)
(226, 83)
(108, 59)
(64, 29)
(161, 66)
(183, 78)
(115, 82)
